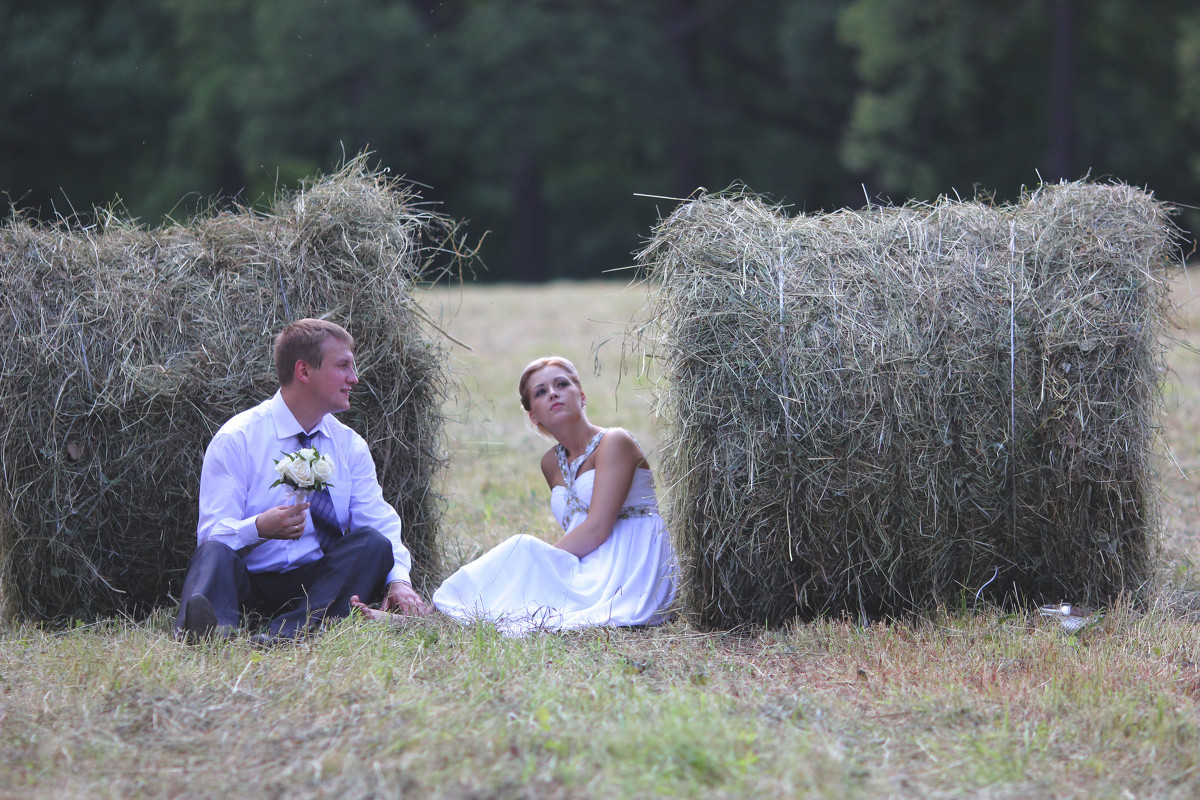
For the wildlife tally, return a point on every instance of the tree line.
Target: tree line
(563, 128)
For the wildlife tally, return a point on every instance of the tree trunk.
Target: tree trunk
(680, 26)
(529, 220)
(1061, 152)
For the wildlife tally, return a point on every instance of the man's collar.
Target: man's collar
(286, 426)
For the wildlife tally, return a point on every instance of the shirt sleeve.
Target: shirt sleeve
(224, 494)
(369, 509)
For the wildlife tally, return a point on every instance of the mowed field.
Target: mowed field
(992, 705)
(495, 485)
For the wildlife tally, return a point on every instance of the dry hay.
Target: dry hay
(126, 348)
(885, 410)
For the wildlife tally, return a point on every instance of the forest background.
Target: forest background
(554, 127)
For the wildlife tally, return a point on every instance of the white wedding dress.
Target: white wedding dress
(525, 584)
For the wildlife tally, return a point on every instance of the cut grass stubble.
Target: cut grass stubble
(987, 705)
(983, 705)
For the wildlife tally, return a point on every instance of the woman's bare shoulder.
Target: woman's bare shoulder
(619, 443)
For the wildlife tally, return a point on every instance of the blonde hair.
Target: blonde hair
(534, 366)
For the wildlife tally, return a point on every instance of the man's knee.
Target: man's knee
(370, 541)
(214, 555)
(370, 549)
(212, 548)
(214, 566)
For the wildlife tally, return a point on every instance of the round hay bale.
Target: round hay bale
(879, 411)
(127, 348)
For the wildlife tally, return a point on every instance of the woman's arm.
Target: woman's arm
(616, 458)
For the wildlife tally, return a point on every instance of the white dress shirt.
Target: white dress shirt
(239, 468)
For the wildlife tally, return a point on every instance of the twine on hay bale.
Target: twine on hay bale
(882, 411)
(126, 348)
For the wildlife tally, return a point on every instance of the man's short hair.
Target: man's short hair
(303, 340)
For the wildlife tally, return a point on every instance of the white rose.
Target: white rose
(322, 470)
(281, 466)
(307, 453)
(300, 471)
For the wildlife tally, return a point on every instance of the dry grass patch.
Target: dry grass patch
(987, 705)
(991, 706)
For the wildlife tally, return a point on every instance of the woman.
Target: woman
(613, 565)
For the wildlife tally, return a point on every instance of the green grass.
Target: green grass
(956, 705)
(953, 706)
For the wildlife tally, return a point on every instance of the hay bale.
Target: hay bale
(878, 411)
(126, 349)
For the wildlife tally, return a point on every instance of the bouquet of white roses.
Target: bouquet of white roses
(305, 470)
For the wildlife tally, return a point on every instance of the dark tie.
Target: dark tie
(320, 508)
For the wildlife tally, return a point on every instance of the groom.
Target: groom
(295, 563)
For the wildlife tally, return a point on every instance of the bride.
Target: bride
(613, 564)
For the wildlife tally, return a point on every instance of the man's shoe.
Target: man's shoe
(200, 621)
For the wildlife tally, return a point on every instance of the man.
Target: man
(295, 563)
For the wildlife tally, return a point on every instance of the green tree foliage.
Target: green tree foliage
(952, 93)
(992, 93)
(84, 102)
(212, 44)
(541, 121)
(566, 111)
(547, 107)
(326, 77)
(1128, 93)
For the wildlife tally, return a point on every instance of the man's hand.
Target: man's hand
(403, 598)
(282, 522)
